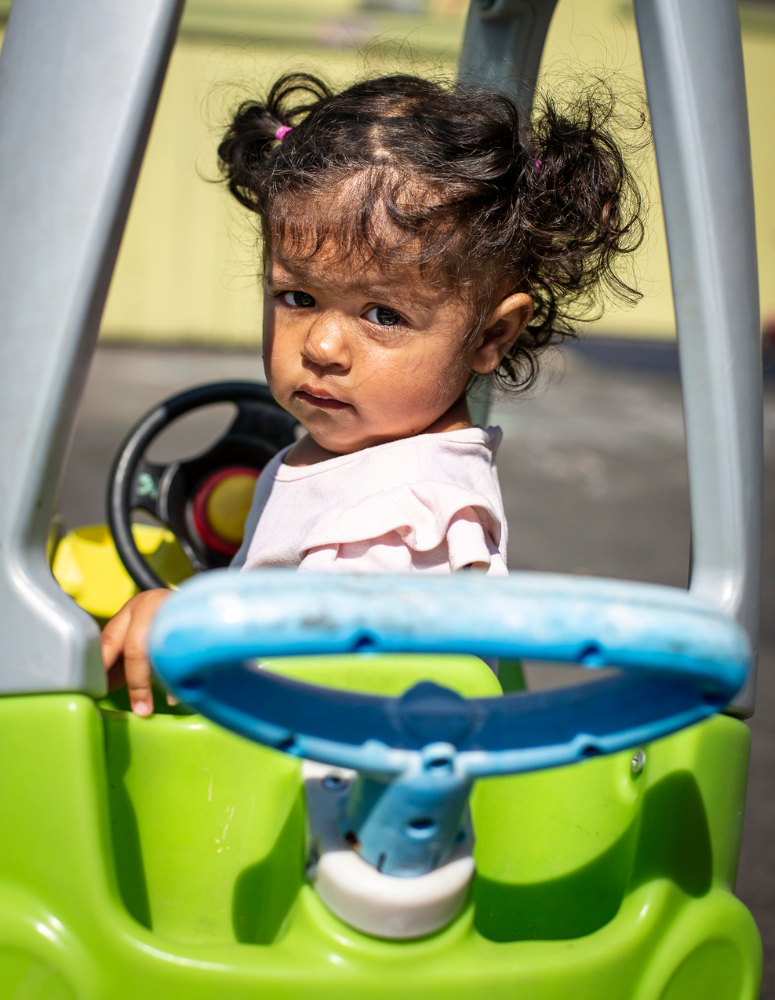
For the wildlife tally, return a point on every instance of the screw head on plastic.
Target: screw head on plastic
(334, 782)
(638, 761)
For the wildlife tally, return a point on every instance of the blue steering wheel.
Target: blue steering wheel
(681, 659)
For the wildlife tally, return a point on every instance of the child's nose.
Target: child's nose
(326, 343)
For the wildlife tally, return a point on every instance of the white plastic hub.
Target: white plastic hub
(384, 906)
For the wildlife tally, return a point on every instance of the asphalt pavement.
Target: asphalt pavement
(594, 480)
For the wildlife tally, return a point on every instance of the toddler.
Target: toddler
(416, 239)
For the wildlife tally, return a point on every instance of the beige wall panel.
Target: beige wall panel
(759, 52)
(598, 38)
(600, 35)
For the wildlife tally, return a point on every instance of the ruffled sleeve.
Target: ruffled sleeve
(426, 526)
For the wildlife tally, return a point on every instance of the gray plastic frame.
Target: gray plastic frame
(88, 119)
(693, 63)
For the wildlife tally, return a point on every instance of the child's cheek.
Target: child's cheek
(271, 347)
(267, 333)
(266, 353)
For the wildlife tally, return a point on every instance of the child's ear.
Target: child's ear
(506, 323)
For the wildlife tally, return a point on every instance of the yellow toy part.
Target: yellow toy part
(228, 506)
(87, 566)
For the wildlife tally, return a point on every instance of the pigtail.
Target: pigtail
(579, 212)
(585, 206)
(247, 147)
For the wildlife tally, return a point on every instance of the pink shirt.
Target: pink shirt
(429, 504)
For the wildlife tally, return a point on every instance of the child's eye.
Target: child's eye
(299, 299)
(383, 316)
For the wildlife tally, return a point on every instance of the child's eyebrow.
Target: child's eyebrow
(394, 293)
(387, 291)
(282, 273)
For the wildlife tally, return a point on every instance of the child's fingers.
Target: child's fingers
(113, 635)
(137, 669)
(125, 648)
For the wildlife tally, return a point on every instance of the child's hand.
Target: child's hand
(125, 648)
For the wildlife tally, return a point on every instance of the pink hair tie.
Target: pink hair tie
(538, 166)
(282, 131)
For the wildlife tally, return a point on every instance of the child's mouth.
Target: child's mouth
(319, 399)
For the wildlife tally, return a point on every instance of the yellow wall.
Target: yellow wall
(759, 52)
(187, 266)
(601, 35)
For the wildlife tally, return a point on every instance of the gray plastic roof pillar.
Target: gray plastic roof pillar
(501, 50)
(502, 45)
(79, 83)
(693, 61)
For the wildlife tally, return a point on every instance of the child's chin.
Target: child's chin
(342, 448)
(342, 444)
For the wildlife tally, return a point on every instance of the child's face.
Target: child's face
(361, 358)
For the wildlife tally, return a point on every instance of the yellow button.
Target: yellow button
(228, 505)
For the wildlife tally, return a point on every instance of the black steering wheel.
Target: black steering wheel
(179, 494)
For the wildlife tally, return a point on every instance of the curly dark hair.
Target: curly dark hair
(401, 170)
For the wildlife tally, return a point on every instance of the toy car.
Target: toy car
(441, 839)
